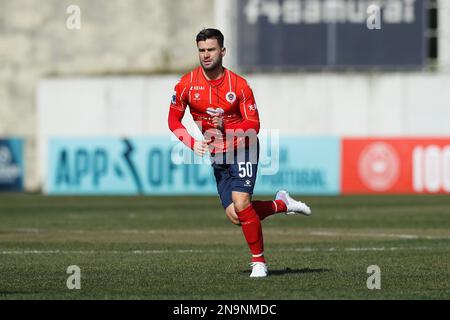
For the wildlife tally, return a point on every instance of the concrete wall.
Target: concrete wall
(116, 37)
(310, 104)
(356, 104)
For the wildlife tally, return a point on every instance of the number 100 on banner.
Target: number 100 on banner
(411, 165)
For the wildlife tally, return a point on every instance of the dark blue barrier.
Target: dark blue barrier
(11, 165)
(285, 34)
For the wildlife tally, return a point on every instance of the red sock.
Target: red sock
(267, 208)
(251, 227)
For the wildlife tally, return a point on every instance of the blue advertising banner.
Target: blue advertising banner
(11, 165)
(306, 166)
(123, 166)
(162, 166)
(331, 33)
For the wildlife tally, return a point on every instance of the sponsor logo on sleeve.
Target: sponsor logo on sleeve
(252, 107)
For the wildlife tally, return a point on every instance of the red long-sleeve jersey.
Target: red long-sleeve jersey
(229, 96)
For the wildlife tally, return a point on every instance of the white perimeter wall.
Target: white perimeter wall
(412, 104)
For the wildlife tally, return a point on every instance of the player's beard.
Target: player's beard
(216, 64)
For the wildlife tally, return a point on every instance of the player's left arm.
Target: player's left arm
(248, 109)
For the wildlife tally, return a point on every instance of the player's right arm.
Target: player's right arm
(176, 114)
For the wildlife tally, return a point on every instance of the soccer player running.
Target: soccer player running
(222, 104)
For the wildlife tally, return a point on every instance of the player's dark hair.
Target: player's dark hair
(210, 33)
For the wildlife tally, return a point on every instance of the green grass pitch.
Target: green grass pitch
(185, 248)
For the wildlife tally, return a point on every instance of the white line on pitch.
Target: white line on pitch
(306, 249)
(317, 233)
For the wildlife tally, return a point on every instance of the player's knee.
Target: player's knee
(241, 204)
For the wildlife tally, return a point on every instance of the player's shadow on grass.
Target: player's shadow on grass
(280, 272)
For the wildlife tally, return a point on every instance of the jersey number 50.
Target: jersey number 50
(245, 169)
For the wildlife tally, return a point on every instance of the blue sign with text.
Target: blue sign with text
(123, 166)
(162, 166)
(305, 166)
(11, 165)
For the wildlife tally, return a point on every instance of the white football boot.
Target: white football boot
(293, 206)
(259, 270)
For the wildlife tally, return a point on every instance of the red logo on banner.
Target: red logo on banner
(379, 166)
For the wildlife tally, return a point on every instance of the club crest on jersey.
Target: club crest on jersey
(230, 96)
(174, 98)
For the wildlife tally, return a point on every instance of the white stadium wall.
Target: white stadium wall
(316, 104)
